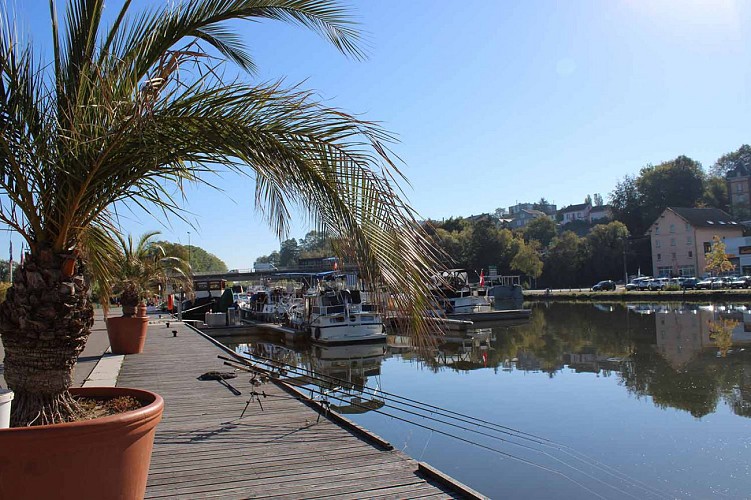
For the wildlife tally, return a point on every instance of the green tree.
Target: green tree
(716, 194)
(727, 162)
(527, 259)
(598, 200)
(541, 229)
(203, 261)
(626, 204)
(588, 199)
(717, 260)
(564, 260)
(288, 253)
(676, 183)
(606, 248)
(128, 113)
(315, 244)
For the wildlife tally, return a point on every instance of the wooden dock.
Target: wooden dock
(203, 449)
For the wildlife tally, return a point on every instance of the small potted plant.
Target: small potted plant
(142, 267)
(127, 333)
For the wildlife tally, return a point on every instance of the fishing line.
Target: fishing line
(465, 440)
(332, 393)
(436, 409)
(495, 427)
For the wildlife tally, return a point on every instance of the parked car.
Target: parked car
(635, 284)
(657, 284)
(644, 284)
(740, 282)
(604, 286)
(689, 283)
(720, 283)
(705, 284)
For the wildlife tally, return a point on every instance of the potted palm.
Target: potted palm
(128, 110)
(140, 269)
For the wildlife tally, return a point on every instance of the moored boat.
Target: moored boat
(333, 313)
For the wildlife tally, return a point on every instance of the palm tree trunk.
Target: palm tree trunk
(44, 324)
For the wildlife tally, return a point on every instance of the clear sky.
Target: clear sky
(499, 102)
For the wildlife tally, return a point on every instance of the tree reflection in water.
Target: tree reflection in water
(683, 356)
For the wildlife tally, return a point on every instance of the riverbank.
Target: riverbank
(622, 295)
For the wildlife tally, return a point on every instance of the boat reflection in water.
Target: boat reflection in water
(349, 376)
(346, 376)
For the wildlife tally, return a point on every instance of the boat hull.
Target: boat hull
(492, 315)
(347, 333)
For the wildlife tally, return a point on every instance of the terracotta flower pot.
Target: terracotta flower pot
(127, 335)
(101, 458)
(141, 310)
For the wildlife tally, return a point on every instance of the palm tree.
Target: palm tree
(128, 113)
(142, 267)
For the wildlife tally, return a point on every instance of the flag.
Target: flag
(23, 251)
(482, 277)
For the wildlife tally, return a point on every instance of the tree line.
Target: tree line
(576, 254)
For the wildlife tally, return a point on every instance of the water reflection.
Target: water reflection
(686, 356)
(346, 376)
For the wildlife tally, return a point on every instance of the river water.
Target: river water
(597, 400)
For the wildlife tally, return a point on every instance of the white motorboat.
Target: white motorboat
(333, 313)
(454, 294)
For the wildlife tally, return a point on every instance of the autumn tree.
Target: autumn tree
(717, 259)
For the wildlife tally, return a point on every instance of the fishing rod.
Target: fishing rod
(474, 443)
(443, 412)
(417, 404)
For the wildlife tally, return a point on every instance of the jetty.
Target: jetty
(205, 447)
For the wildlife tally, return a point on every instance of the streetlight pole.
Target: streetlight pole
(625, 270)
(190, 262)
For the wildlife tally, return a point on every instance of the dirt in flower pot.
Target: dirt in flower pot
(96, 408)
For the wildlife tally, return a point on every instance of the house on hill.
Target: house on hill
(574, 213)
(681, 237)
(600, 214)
(524, 217)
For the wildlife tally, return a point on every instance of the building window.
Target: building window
(659, 256)
(707, 246)
(672, 242)
(657, 243)
(673, 255)
(739, 187)
(687, 271)
(688, 228)
(664, 271)
(689, 240)
(672, 228)
(690, 254)
(657, 229)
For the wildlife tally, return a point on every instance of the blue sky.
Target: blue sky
(499, 102)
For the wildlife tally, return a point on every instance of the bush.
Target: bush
(672, 288)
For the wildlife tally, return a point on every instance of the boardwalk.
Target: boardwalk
(204, 450)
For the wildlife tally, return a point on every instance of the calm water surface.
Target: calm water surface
(640, 401)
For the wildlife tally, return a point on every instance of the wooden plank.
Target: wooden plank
(203, 449)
